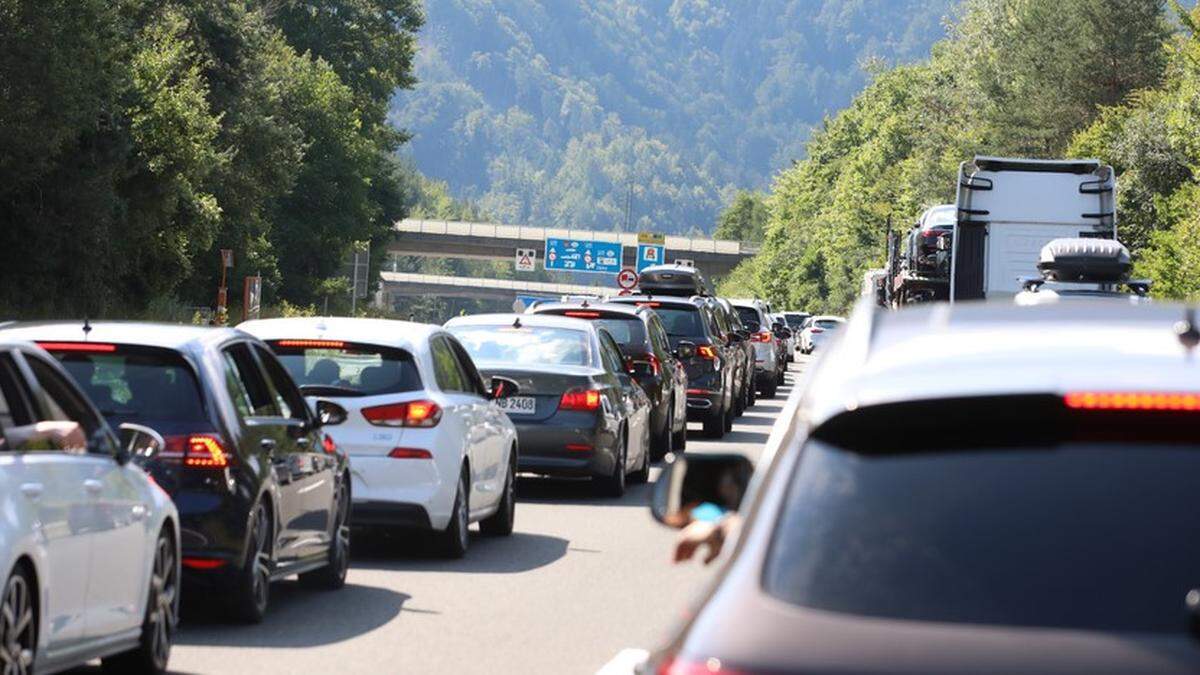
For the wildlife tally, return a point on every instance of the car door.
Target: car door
(460, 411)
(493, 443)
(261, 438)
(627, 390)
(674, 372)
(313, 470)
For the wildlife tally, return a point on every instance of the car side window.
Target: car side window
(658, 337)
(466, 365)
(245, 383)
(65, 418)
(291, 403)
(446, 370)
(610, 353)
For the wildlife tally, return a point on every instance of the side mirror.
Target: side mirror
(699, 487)
(685, 350)
(503, 387)
(329, 413)
(138, 443)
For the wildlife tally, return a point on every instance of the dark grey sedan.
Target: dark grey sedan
(578, 413)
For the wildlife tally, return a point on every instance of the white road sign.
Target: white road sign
(526, 260)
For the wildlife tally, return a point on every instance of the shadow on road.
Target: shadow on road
(577, 491)
(297, 617)
(516, 553)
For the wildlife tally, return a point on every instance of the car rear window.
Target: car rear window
(526, 345)
(827, 323)
(137, 384)
(795, 320)
(1082, 535)
(348, 369)
(681, 320)
(750, 318)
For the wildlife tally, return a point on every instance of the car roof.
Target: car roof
(945, 351)
(613, 307)
(175, 336)
(678, 300)
(546, 320)
(749, 302)
(404, 334)
(827, 317)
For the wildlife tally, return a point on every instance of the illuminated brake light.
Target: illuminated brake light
(711, 666)
(818, 330)
(579, 447)
(203, 563)
(706, 352)
(93, 347)
(580, 399)
(315, 344)
(649, 304)
(198, 451)
(1146, 401)
(410, 453)
(422, 414)
(698, 392)
(328, 445)
(763, 336)
(583, 315)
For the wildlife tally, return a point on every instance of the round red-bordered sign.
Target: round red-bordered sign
(627, 278)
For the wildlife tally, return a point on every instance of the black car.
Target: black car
(710, 370)
(737, 335)
(578, 412)
(651, 360)
(262, 493)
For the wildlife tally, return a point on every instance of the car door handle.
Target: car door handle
(93, 486)
(32, 490)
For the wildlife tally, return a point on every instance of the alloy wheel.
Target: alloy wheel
(17, 627)
(261, 581)
(164, 608)
(341, 540)
(463, 514)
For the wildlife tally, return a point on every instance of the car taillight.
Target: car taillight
(706, 352)
(89, 347)
(764, 336)
(648, 304)
(651, 361)
(328, 445)
(580, 399)
(583, 315)
(410, 453)
(817, 330)
(198, 451)
(675, 665)
(410, 414)
(1134, 400)
(312, 344)
(203, 563)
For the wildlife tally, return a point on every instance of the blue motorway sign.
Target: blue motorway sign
(650, 254)
(576, 255)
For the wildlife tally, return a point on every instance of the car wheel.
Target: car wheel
(252, 590)
(751, 395)
(500, 523)
(642, 474)
(613, 485)
(455, 539)
(18, 624)
(714, 425)
(333, 576)
(768, 390)
(162, 616)
(664, 443)
(729, 421)
(739, 405)
(679, 442)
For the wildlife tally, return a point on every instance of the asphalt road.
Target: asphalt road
(581, 579)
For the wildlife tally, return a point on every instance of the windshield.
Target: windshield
(749, 317)
(1079, 535)
(136, 384)
(680, 321)
(527, 345)
(365, 370)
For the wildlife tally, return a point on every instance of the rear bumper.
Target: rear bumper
(390, 514)
(545, 451)
(384, 487)
(703, 406)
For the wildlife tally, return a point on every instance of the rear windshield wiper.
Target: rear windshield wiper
(328, 390)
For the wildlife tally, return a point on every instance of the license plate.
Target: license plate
(518, 405)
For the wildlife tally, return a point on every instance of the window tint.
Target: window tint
(287, 397)
(828, 323)
(354, 369)
(65, 419)
(1076, 535)
(445, 367)
(680, 321)
(527, 345)
(795, 320)
(750, 318)
(611, 354)
(135, 384)
(471, 376)
(658, 338)
(243, 378)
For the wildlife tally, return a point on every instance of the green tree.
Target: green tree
(745, 219)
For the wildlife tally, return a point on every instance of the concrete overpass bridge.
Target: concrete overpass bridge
(491, 241)
(404, 284)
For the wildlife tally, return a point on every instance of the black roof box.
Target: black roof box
(1090, 260)
(679, 280)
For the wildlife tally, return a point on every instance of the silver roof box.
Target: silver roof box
(1085, 259)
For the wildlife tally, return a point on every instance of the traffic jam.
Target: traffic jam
(991, 465)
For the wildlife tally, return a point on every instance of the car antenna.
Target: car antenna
(1189, 334)
(585, 304)
(517, 322)
(87, 328)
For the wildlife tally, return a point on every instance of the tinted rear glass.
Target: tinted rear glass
(1078, 535)
(135, 384)
(527, 345)
(358, 369)
(795, 320)
(827, 323)
(681, 321)
(749, 317)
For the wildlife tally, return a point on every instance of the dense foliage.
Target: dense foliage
(562, 112)
(137, 137)
(1040, 78)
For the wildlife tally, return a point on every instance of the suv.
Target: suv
(955, 509)
(691, 325)
(651, 360)
(262, 492)
(767, 367)
(735, 335)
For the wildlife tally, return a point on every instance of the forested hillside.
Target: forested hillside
(1043, 78)
(557, 111)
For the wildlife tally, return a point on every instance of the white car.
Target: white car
(89, 545)
(429, 448)
(817, 330)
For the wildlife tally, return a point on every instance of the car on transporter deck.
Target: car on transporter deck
(429, 448)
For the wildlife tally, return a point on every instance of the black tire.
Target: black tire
(153, 652)
(664, 442)
(768, 390)
(729, 421)
(642, 473)
(454, 541)
(19, 639)
(252, 588)
(714, 425)
(752, 395)
(680, 438)
(500, 523)
(331, 577)
(739, 403)
(613, 485)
